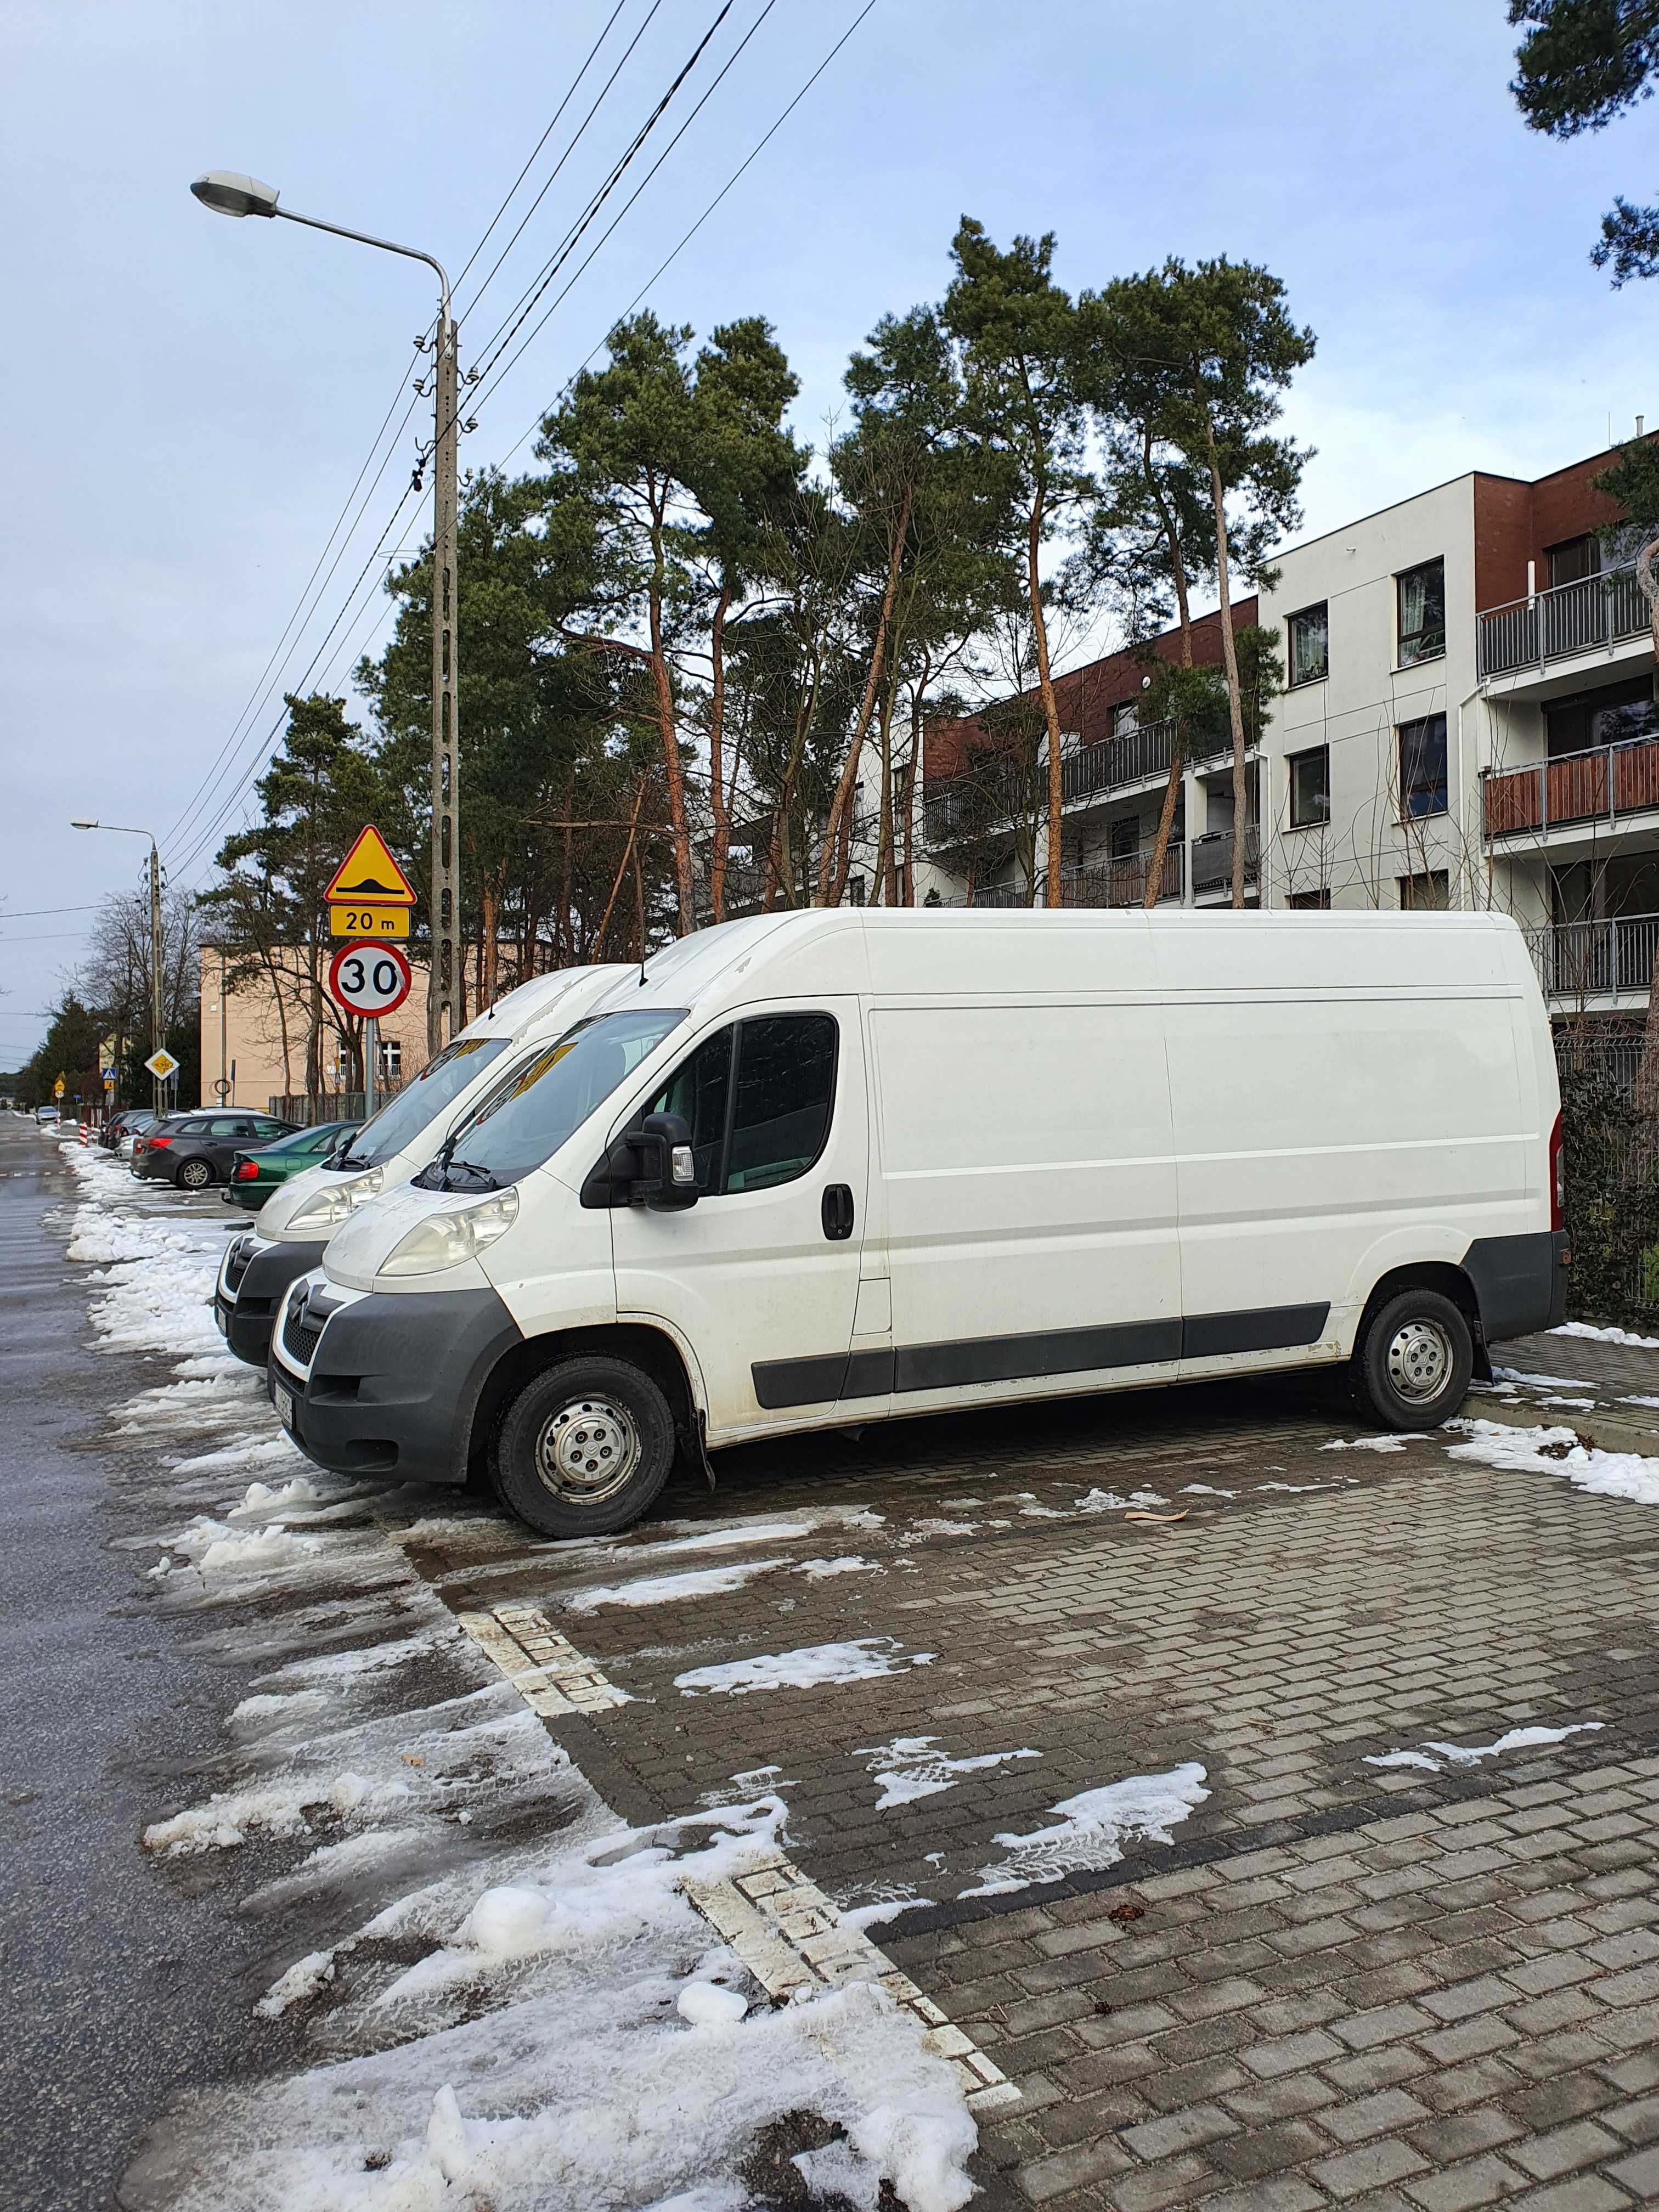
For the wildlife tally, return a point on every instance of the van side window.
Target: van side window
(776, 1126)
(700, 1088)
(786, 1088)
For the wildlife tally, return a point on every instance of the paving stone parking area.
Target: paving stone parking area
(1429, 1985)
(1296, 1851)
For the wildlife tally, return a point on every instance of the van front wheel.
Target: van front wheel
(585, 1448)
(1413, 1370)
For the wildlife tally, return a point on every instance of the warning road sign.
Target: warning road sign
(368, 876)
(161, 1065)
(369, 979)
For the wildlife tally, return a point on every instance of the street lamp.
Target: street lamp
(157, 1031)
(228, 191)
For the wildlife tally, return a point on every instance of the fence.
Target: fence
(327, 1105)
(1610, 1139)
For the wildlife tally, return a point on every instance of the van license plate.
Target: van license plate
(285, 1406)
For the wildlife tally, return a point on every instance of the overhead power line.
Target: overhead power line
(667, 262)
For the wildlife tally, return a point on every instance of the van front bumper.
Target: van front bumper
(246, 1313)
(395, 1381)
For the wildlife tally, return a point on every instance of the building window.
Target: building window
(1573, 560)
(1425, 894)
(1310, 788)
(1613, 715)
(1125, 717)
(391, 1060)
(1312, 902)
(1422, 612)
(1423, 767)
(1125, 837)
(855, 889)
(1309, 635)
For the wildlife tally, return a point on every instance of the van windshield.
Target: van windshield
(545, 1099)
(439, 1084)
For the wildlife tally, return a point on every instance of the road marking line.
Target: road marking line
(544, 1667)
(791, 1938)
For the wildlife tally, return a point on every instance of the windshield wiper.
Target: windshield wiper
(350, 1160)
(486, 1175)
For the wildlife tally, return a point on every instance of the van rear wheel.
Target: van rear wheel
(1413, 1369)
(585, 1448)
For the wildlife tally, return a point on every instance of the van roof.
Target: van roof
(1039, 951)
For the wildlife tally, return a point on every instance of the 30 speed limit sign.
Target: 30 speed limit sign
(369, 979)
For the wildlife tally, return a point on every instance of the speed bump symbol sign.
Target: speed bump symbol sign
(368, 876)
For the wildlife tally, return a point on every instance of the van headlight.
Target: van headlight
(444, 1240)
(329, 1207)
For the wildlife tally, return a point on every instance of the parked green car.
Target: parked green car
(254, 1176)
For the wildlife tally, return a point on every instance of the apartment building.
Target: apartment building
(1469, 720)
(985, 833)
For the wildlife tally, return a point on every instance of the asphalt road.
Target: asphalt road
(118, 1990)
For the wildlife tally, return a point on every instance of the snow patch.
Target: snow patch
(1627, 1476)
(1093, 1828)
(910, 1768)
(1607, 1335)
(803, 1670)
(670, 1590)
(1434, 1755)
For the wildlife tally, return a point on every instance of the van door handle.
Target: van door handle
(837, 1211)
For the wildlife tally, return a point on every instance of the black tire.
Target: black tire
(585, 1448)
(1412, 1368)
(193, 1175)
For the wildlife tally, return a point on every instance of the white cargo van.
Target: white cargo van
(825, 1168)
(297, 1220)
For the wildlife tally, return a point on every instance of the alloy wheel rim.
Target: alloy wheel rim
(193, 1175)
(1419, 1361)
(588, 1450)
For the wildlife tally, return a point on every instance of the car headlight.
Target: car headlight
(329, 1207)
(445, 1240)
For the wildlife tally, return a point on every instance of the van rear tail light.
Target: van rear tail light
(1558, 1178)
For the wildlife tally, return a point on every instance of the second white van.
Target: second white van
(834, 1167)
(297, 1220)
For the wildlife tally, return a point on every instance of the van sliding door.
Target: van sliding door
(1029, 1190)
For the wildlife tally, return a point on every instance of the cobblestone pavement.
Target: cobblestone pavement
(1428, 1984)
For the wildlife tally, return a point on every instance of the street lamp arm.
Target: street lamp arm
(362, 238)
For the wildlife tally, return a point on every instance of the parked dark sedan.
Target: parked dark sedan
(129, 1122)
(255, 1175)
(195, 1149)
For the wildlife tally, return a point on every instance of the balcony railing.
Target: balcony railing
(1212, 859)
(1596, 959)
(1113, 882)
(1598, 610)
(1598, 786)
(1111, 764)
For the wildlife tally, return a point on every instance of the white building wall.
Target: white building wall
(1365, 849)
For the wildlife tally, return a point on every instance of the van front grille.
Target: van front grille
(301, 1335)
(241, 1253)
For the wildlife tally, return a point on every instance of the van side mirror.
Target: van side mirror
(651, 1164)
(667, 1181)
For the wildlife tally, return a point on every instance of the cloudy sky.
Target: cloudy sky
(192, 399)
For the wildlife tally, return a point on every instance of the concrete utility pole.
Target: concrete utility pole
(229, 192)
(157, 1028)
(158, 1036)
